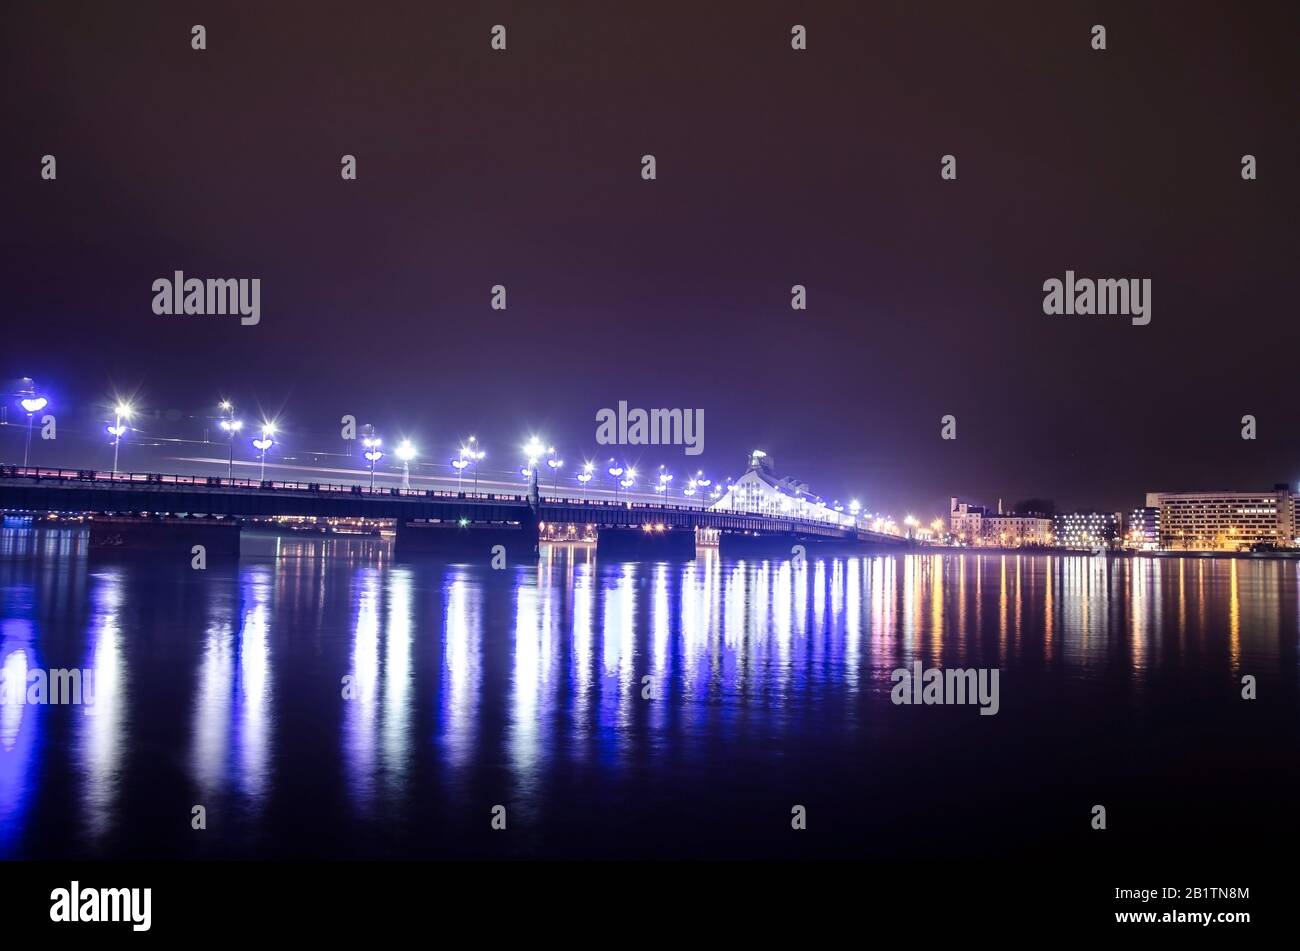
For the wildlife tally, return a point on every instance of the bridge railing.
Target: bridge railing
(329, 489)
(216, 482)
(607, 504)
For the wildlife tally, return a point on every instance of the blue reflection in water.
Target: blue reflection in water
(233, 714)
(19, 729)
(529, 687)
(461, 667)
(101, 730)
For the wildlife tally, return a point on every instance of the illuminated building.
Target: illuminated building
(760, 491)
(976, 525)
(1144, 528)
(1086, 529)
(1225, 521)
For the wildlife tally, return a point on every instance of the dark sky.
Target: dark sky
(774, 168)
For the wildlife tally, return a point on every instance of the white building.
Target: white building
(760, 491)
(976, 525)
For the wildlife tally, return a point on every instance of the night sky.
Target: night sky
(775, 167)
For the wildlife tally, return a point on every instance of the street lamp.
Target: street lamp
(702, 483)
(231, 426)
(373, 455)
(459, 464)
(533, 449)
(121, 411)
(469, 455)
(474, 455)
(263, 444)
(616, 471)
(665, 479)
(556, 464)
(406, 452)
(33, 405)
(584, 477)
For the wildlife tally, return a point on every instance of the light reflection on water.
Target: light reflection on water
(469, 687)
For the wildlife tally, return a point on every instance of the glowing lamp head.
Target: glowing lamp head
(459, 464)
(124, 410)
(34, 404)
(374, 455)
(405, 451)
(263, 444)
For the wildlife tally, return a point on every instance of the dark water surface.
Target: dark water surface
(523, 687)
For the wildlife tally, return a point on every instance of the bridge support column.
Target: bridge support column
(636, 544)
(472, 542)
(178, 536)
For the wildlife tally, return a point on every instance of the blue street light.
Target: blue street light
(32, 405)
(231, 426)
(373, 455)
(665, 479)
(616, 471)
(459, 465)
(406, 452)
(121, 411)
(556, 464)
(265, 443)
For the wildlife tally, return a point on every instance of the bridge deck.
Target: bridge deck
(71, 490)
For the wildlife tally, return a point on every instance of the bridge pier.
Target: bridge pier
(473, 541)
(636, 544)
(178, 536)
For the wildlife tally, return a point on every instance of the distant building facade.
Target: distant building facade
(977, 526)
(1087, 529)
(1225, 521)
(1144, 528)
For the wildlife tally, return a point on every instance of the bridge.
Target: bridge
(448, 519)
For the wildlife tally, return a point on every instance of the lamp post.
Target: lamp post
(533, 450)
(406, 452)
(556, 464)
(584, 477)
(373, 455)
(617, 472)
(231, 426)
(702, 483)
(121, 411)
(474, 455)
(263, 444)
(665, 480)
(33, 405)
(459, 464)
